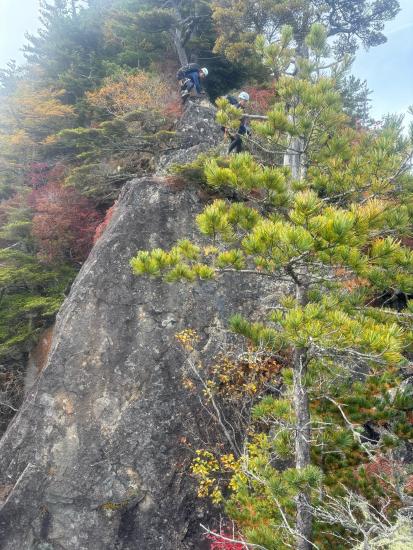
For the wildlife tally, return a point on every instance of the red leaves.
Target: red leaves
(41, 173)
(223, 541)
(63, 224)
(261, 100)
(102, 226)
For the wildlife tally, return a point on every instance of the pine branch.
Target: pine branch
(356, 434)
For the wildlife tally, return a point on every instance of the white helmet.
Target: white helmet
(244, 96)
(205, 71)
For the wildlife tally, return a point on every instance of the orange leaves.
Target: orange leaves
(125, 93)
(36, 105)
(349, 281)
(235, 378)
(187, 338)
(29, 117)
(34, 110)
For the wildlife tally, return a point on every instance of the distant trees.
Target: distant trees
(178, 22)
(30, 114)
(31, 293)
(257, 33)
(75, 123)
(69, 47)
(348, 22)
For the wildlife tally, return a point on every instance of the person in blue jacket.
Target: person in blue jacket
(190, 77)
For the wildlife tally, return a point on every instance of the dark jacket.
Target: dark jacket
(234, 101)
(194, 76)
(243, 127)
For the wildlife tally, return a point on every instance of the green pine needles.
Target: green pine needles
(331, 444)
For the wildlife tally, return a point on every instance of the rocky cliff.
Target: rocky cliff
(94, 460)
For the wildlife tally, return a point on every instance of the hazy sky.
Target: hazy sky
(387, 68)
(16, 17)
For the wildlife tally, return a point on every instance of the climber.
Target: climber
(236, 140)
(190, 77)
(241, 102)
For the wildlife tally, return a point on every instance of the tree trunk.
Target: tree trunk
(302, 436)
(180, 50)
(292, 158)
(177, 37)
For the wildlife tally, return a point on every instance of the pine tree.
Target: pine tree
(348, 23)
(333, 234)
(69, 47)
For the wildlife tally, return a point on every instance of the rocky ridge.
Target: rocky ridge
(94, 460)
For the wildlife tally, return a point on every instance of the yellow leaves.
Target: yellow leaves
(216, 496)
(20, 139)
(31, 105)
(131, 92)
(250, 388)
(230, 463)
(234, 378)
(212, 473)
(31, 114)
(210, 250)
(51, 140)
(187, 338)
(188, 384)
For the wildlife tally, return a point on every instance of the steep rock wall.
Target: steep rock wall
(94, 460)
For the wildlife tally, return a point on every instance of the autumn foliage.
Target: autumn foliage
(64, 223)
(260, 99)
(218, 542)
(100, 229)
(132, 92)
(31, 114)
(41, 173)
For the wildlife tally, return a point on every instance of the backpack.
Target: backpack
(190, 68)
(233, 100)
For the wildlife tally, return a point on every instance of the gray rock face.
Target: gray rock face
(197, 131)
(94, 460)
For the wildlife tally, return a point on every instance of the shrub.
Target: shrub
(64, 223)
(130, 92)
(260, 99)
